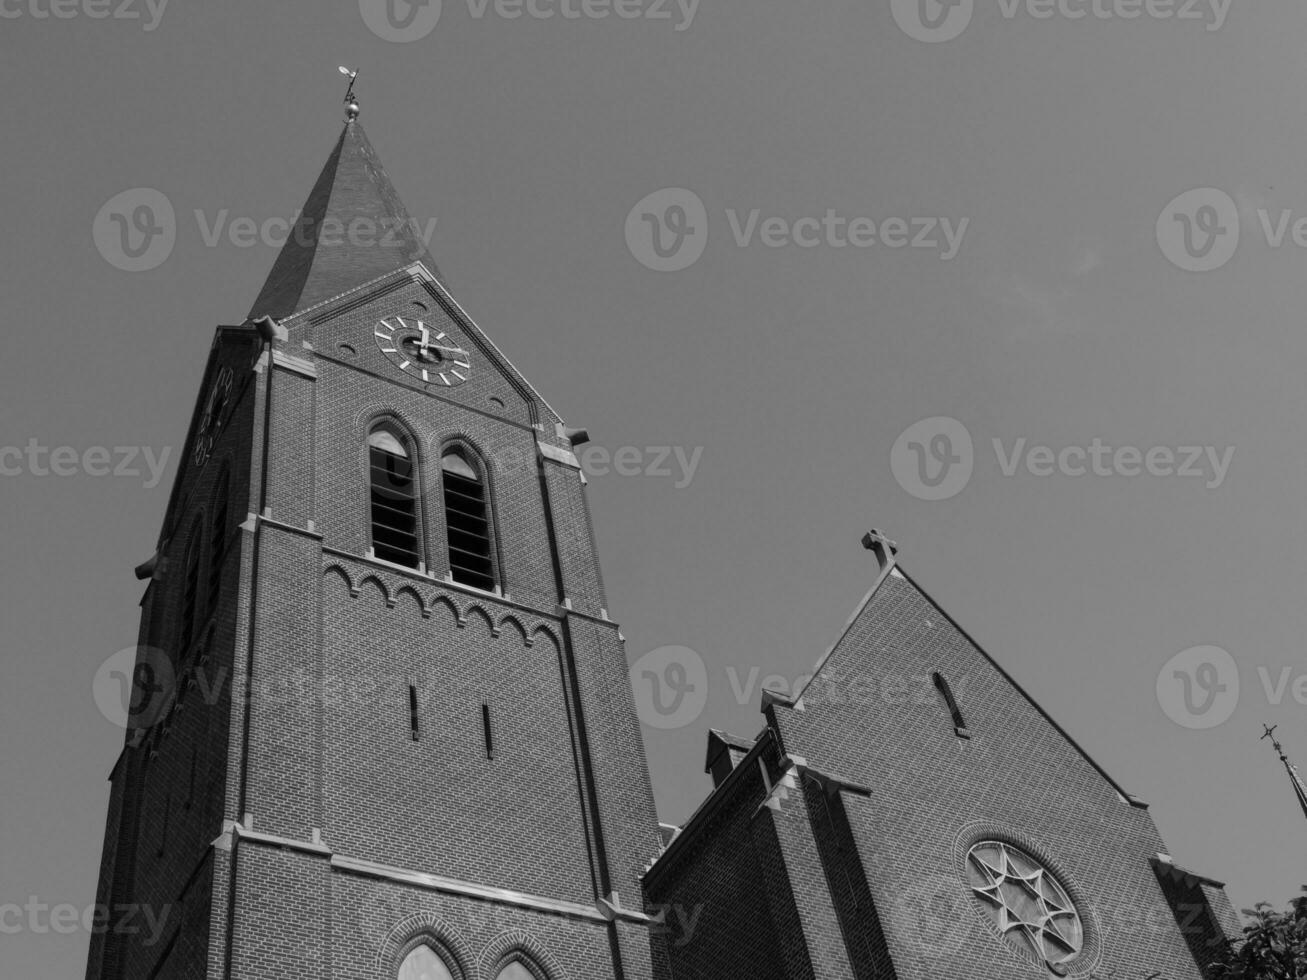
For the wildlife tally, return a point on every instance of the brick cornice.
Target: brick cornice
(556, 613)
(702, 817)
(602, 911)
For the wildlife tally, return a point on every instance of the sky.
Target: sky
(1021, 289)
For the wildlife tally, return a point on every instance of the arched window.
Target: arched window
(394, 499)
(467, 519)
(191, 586)
(217, 543)
(515, 971)
(424, 964)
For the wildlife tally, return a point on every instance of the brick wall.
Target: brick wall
(723, 895)
(873, 717)
(300, 730)
(168, 795)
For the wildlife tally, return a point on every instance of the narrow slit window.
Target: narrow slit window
(852, 888)
(394, 500)
(190, 788)
(190, 589)
(167, 819)
(959, 723)
(217, 545)
(488, 731)
(467, 520)
(165, 961)
(413, 711)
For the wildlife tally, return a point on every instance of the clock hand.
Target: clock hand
(437, 353)
(426, 350)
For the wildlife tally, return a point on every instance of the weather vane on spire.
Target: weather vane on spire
(351, 103)
(1299, 787)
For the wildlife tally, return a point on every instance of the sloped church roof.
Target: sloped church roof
(353, 228)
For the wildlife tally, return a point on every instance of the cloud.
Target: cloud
(1033, 310)
(1046, 305)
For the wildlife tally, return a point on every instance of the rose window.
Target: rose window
(1027, 905)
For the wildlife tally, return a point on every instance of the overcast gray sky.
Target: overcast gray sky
(1053, 146)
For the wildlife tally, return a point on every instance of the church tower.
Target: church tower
(381, 721)
(381, 724)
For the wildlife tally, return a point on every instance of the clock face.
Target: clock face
(211, 421)
(422, 352)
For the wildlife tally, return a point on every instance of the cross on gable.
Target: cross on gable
(1270, 733)
(881, 546)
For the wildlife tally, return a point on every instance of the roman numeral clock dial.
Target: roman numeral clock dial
(428, 355)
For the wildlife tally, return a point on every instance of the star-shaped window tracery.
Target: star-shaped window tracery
(1023, 899)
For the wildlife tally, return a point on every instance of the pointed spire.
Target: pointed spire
(353, 228)
(1299, 787)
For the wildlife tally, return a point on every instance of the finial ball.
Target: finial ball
(352, 111)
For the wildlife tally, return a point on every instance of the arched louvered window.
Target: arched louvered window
(467, 518)
(424, 964)
(217, 543)
(191, 586)
(394, 499)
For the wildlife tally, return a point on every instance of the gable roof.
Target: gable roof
(892, 569)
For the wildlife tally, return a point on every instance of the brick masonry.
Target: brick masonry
(297, 724)
(872, 801)
(316, 796)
